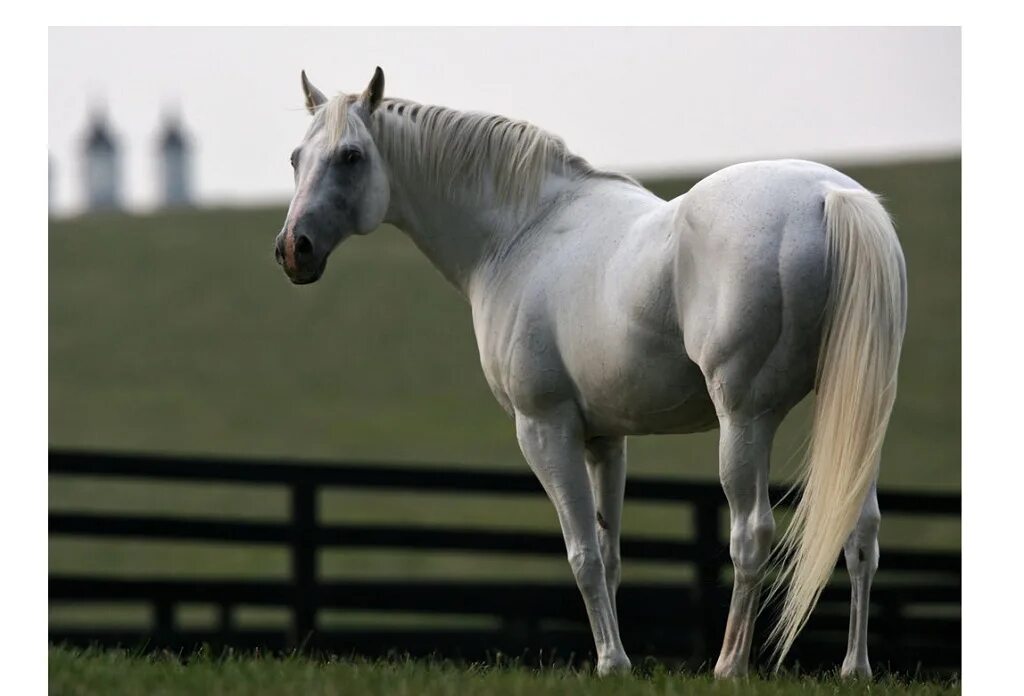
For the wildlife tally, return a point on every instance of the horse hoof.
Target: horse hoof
(730, 670)
(613, 665)
(854, 669)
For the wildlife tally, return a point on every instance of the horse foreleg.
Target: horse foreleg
(553, 447)
(744, 449)
(861, 551)
(606, 464)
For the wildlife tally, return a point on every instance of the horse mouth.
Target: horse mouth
(307, 278)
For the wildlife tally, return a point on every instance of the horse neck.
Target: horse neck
(460, 235)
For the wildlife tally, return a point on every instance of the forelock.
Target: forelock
(333, 117)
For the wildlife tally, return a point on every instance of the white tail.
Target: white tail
(856, 387)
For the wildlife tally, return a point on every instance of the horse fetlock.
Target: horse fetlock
(729, 667)
(856, 667)
(617, 663)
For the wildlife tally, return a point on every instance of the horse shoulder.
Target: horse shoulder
(518, 347)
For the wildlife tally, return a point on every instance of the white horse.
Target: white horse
(603, 311)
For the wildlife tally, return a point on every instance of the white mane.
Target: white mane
(464, 154)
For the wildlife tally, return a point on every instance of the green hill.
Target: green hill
(177, 332)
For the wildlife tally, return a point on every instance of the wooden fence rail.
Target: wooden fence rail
(915, 625)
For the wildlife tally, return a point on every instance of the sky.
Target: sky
(639, 100)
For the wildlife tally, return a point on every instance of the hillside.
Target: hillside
(178, 333)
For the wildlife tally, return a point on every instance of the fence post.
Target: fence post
(303, 563)
(709, 565)
(891, 620)
(163, 621)
(226, 620)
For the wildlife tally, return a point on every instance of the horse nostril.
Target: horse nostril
(303, 245)
(278, 253)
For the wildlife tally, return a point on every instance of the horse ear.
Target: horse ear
(374, 91)
(314, 97)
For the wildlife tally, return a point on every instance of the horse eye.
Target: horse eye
(351, 155)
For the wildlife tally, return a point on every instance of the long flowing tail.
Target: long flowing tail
(856, 386)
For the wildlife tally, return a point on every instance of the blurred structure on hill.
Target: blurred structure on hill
(49, 182)
(102, 174)
(175, 159)
(101, 165)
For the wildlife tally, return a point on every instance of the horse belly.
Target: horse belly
(657, 391)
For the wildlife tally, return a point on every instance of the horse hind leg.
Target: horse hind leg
(861, 551)
(606, 465)
(744, 449)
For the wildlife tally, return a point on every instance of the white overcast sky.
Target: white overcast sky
(637, 100)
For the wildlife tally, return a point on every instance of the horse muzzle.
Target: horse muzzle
(299, 258)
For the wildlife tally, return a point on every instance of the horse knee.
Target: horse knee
(588, 569)
(749, 544)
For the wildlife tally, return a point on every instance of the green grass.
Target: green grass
(177, 332)
(76, 673)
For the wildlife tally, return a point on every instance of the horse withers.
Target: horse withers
(602, 311)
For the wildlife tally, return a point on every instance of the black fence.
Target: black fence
(915, 622)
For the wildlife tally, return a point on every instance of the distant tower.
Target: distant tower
(49, 182)
(175, 164)
(102, 166)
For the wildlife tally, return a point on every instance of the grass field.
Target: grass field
(177, 332)
(75, 673)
